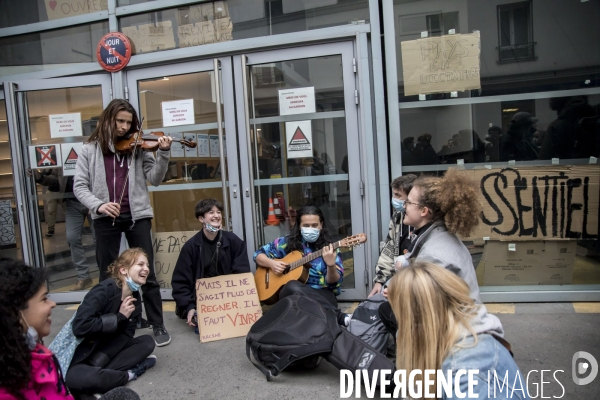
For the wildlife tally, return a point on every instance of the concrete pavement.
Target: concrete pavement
(543, 336)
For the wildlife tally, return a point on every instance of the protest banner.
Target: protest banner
(538, 203)
(167, 246)
(227, 306)
(441, 64)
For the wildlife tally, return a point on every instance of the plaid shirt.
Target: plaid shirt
(318, 270)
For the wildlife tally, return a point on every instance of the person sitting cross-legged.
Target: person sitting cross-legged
(209, 253)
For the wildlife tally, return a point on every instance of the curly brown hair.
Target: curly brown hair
(453, 198)
(125, 260)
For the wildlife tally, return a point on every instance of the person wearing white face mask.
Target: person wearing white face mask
(398, 238)
(109, 355)
(326, 273)
(29, 369)
(211, 252)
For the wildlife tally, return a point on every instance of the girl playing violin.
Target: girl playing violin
(113, 187)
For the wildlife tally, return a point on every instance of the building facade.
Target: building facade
(319, 102)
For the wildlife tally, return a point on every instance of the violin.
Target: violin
(145, 141)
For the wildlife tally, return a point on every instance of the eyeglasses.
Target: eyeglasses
(414, 204)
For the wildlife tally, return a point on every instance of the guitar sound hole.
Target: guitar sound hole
(286, 270)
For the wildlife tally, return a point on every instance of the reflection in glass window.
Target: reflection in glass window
(222, 21)
(62, 46)
(515, 32)
(23, 12)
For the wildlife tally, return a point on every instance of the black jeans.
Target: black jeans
(85, 378)
(388, 318)
(108, 241)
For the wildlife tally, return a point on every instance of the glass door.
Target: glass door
(55, 117)
(10, 238)
(298, 121)
(186, 101)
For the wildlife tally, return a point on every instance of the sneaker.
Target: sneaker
(50, 233)
(143, 366)
(82, 284)
(161, 336)
(142, 324)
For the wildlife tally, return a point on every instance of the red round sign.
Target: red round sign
(113, 51)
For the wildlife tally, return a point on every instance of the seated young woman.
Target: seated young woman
(326, 273)
(109, 355)
(209, 253)
(438, 329)
(29, 369)
(439, 209)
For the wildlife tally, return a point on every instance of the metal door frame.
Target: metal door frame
(25, 190)
(346, 50)
(133, 76)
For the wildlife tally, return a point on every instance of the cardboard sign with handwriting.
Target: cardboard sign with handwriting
(227, 306)
(538, 203)
(441, 64)
(167, 246)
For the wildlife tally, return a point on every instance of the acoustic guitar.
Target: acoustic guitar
(268, 284)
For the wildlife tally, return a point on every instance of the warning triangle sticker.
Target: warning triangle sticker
(299, 138)
(72, 157)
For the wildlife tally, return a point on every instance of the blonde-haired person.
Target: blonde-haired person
(440, 209)
(436, 331)
(109, 355)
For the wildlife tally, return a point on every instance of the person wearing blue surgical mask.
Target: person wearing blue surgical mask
(398, 238)
(109, 355)
(326, 273)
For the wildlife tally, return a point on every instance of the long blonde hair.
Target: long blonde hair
(432, 305)
(125, 260)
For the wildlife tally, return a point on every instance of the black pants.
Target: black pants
(85, 378)
(388, 318)
(324, 297)
(108, 241)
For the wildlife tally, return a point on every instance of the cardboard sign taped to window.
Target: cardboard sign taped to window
(441, 64)
(227, 306)
(538, 203)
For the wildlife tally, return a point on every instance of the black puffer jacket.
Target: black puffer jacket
(101, 325)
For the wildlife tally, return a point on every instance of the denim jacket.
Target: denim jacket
(493, 362)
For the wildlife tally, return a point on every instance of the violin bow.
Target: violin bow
(129, 163)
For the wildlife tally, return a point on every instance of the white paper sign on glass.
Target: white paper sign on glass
(45, 156)
(214, 146)
(203, 149)
(298, 136)
(179, 112)
(65, 125)
(297, 101)
(70, 153)
(177, 149)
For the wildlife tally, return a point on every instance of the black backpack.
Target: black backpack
(298, 328)
(367, 325)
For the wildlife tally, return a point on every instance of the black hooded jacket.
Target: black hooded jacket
(233, 259)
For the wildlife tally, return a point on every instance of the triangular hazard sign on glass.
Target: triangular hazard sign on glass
(299, 137)
(72, 157)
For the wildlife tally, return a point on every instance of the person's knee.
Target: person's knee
(292, 287)
(83, 378)
(73, 237)
(147, 345)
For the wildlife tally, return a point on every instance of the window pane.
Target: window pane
(222, 21)
(25, 12)
(507, 33)
(521, 17)
(32, 51)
